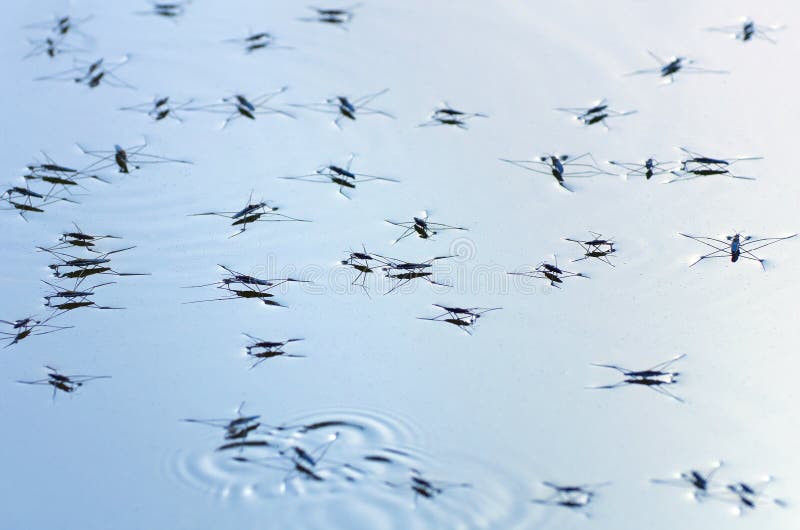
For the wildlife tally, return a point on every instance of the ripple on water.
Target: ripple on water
(225, 475)
(370, 472)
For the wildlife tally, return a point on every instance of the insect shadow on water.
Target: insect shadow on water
(240, 106)
(237, 430)
(27, 327)
(340, 176)
(598, 248)
(561, 167)
(19, 191)
(84, 267)
(92, 74)
(296, 461)
(252, 213)
(463, 318)
(735, 246)
(346, 107)
(64, 383)
(24, 200)
(253, 292)
(60, 178)
(647, 168)
(573, 497)
(62, 300)
(256, 41)
(51, 46)
(241, 286)
(420, 226)
(698, 165)
(62, 25)
(125, 159)
(656, 377)
(298, 449)
(60, 30)
(58, 292)
(700, 482)
(337, 16)
(426, 488)
(169, 10)
(668, 69)
(85, 271)
(75, 302)
(747, 30)
(402, 272)
(447, 115)
(160, 108)
(550, 272)
(387, 456)
(599, 112)
(262, 350)
(79, 239)
(363, 263)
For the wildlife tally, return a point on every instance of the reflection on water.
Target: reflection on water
(197, 129)
(370, 462)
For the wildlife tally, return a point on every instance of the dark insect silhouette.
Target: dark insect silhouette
(599, 112)
(648, 168)
(251, 212)
(561, 167)
(27, 327)
(261, 349)
(573, 497)
(125, 159)
(735, 247)
(447, 115)
(343, 177)
(346, 107)
(657, 377)
(550, 272)
(697, 165)
(241, 106)
(402, 272)
(338, 16)
(700, 482)
(64, 383)
(92, 74)
(747, 30)
(160, 108)
(669, 68)
(598, 248)
(463, 318)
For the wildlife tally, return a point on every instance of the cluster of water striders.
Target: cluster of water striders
(299, 451)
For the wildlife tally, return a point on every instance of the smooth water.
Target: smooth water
(501, 410)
